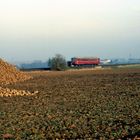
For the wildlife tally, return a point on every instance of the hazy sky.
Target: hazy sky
(38, 29)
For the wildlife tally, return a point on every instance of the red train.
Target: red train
(85, 61)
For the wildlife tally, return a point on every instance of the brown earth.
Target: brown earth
(101, 104)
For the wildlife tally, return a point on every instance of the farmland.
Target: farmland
(92, 104)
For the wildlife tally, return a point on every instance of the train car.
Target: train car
(85, 61)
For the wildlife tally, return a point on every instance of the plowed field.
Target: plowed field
(93, 104)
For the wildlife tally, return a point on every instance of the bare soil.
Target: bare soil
(93, 104)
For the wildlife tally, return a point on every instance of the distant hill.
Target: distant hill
(125, 61)
(34, 65)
